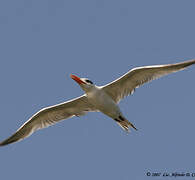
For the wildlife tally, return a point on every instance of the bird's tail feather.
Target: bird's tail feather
(126, 125)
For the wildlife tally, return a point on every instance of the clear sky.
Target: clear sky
(43, 41)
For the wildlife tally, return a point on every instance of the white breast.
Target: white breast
(104, 103)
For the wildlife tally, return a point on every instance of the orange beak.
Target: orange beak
(77, 79)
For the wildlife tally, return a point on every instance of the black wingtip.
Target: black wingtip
(4, 143)
(11, 139)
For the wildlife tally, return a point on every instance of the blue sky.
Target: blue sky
(43, 42)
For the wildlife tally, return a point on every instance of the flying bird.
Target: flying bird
(103, 99)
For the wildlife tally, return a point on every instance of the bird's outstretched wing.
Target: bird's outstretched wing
(49, 116)
(126, 84)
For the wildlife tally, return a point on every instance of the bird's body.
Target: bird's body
(103, 102)
(104, 99)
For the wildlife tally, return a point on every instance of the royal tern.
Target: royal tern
(104, 99)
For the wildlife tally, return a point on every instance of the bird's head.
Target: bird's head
(84, 83)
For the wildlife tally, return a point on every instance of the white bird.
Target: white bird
(104, 99)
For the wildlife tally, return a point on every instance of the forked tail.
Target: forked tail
(125, 124)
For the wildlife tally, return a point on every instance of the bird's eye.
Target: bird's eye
(88, 81)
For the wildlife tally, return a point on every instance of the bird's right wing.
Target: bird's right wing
(49, 116)
(126, 84)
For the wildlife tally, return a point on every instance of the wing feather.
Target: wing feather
(49, 116)
(126, 84)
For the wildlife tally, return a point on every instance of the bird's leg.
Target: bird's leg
(121, 118)
(117, 120)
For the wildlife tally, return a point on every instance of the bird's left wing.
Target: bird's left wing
(126, 84)
(49, 116)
